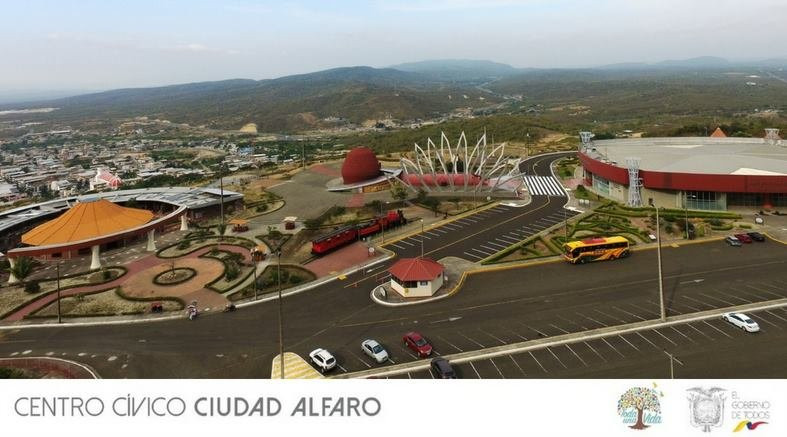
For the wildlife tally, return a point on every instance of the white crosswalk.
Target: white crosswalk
(544, 186)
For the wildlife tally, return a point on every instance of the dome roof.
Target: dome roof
(360, 165)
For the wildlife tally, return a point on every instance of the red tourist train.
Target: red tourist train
(348, 234)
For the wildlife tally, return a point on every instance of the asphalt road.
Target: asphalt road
(491, 309)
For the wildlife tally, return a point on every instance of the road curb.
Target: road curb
(558, 340)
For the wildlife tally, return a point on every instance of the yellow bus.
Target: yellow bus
(595, 249)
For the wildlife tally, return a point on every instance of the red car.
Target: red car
(418, 344)
(743, 238)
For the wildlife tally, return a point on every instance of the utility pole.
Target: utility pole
(57, 269)
(422, 237)
(281, 325)
(255, 278)
(658, 253)
(221, 195)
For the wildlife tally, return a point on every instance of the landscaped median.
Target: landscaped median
(558, 340)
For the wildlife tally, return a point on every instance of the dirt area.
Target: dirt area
(107, 303)
(249, 128)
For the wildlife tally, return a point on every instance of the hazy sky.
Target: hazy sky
(101, 44)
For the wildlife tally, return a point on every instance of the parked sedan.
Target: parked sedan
(742, 321)
(743, 238)
(418, 344)
(732, 241)
(374, 350)
(756, 236)
(322, 359)
(442, 368)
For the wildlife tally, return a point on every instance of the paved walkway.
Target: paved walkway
(147, 267)
(341, 259)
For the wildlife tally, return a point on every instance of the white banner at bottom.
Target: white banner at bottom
(396, 407)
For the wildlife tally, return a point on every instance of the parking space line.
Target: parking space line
(701, 333)
(648, 340)
(490, 335)
(647, 311)
(776, 315)
(777, 295)
(629, 343)
(521, 337)
(584, 328)
(613, 347)
(684, 335)
(769, 322)
(407, 243)
(576, 355)
(559, 328)
(749, 293)
(440, 231)
(340, 366)
(596, 352)
(624, 311)
(734, 296)
(591, 319)
(665, 337)
(450, 344)
(538, 362)
(407, 351)
(496, 245)
(509, 239)
(481, 251)
(699, 302)
(432, 233)
(474, 256)
(490, 248)
(492, 360)
(722, 332)
(397, 246)
(470, 339)
(558, 359)
(610, 316)
(359, 359)
(474, 370)
(517, 365)
(535, 330)
(504, 241)
(720, 300)
(452, 227)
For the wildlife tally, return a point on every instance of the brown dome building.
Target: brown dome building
(360, 165)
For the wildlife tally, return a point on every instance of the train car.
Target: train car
(348, 234)
(334, 240)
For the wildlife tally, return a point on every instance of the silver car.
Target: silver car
(374, 350)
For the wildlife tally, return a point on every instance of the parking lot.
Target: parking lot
(480, 330)
(701, 349)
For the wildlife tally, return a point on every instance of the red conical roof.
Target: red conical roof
(718, 133)
(416, 269)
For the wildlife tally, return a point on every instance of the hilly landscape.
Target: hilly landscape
(430, 90)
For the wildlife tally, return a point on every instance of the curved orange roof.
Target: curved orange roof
(87, 220)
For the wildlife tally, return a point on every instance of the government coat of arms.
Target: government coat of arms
(706, 406)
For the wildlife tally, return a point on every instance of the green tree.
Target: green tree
(398, 191)
(22, 268)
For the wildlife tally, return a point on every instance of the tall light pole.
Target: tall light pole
(255, 277)
(422, 237)
(672, 361)
(281, 325)
(658, 250)
(57, 269)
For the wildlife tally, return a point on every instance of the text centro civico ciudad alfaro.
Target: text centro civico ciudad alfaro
(229, 406)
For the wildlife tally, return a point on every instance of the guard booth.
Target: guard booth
(416, 277)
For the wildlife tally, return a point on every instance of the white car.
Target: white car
(742, 321)
(322, 359)
(375, 351)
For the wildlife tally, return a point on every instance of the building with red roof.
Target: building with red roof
(718, 133)
(416, 277)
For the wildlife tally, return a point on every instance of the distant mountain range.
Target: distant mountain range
(358, 94)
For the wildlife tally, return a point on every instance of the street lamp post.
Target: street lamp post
(57, 269)
(281, 325)
(658, 254)
(672, 361)
(422, 237)
(255, 278)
